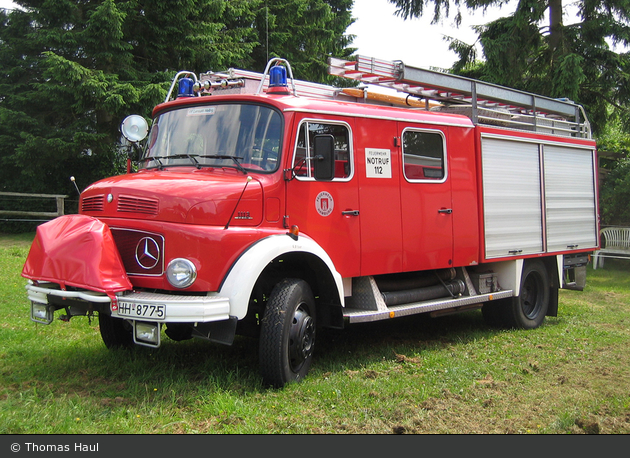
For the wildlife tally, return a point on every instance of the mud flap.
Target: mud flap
(553, 302)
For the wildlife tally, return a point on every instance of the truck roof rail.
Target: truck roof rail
(484, 103)
(239, 81)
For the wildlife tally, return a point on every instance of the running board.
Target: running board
(356, 315)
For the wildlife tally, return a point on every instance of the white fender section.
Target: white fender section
(240, 281)
(509, 274)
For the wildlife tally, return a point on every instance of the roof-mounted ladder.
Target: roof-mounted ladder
(483, 102)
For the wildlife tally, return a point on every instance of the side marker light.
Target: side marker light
(294, 232)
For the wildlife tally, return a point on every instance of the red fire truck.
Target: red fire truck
(267, 206)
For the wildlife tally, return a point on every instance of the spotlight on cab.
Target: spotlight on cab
(134, 128)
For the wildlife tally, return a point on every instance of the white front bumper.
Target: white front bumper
(177, 308)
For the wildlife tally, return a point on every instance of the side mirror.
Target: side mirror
(324, 157)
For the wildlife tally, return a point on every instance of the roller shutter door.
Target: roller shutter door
(570, 198)
(511, 198)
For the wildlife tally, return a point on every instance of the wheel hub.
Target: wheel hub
(531, 296)
(301, 338)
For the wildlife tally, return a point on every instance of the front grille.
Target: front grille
(129, 204)
(93, 203)
(133, 245)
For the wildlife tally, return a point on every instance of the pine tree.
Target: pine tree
(306, 33)
(71, 70)
(573, 61)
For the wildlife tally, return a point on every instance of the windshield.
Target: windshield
(244, 136)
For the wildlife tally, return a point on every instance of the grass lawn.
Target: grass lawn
(412, 375)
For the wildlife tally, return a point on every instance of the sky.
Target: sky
(416, 42)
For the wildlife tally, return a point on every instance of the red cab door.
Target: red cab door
(327, 211)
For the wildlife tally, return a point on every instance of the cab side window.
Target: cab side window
(304, 154)
(424, 156)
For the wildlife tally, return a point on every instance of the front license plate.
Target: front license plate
(133, 310)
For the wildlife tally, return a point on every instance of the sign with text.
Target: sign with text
(378, 163)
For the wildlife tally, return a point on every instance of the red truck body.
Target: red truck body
(272, 214)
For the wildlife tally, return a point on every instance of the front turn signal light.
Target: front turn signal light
(294, 232)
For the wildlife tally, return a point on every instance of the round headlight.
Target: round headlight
(181, 273)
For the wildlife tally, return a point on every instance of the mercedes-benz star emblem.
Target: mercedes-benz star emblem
(147, 253)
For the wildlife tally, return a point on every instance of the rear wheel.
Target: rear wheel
(287, 334)
(115, 332)
(494, 312)
(529, 308)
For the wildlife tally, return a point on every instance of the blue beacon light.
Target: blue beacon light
(185, 88)
(278, 80)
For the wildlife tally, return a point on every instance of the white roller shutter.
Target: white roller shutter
(511, 197)
(570, 198)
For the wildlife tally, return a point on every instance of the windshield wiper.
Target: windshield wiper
(189, 156)
(193, 158)
(154, 158)
(174, 156)
(226, 156)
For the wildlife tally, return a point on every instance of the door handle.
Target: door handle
(445, 210)
(350, 213)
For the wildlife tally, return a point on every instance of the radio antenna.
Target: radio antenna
(75, 185)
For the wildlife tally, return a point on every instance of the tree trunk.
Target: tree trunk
(556, 32)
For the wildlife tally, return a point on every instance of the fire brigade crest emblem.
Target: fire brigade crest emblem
(324, 203)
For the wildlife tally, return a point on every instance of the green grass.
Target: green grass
(409, 375)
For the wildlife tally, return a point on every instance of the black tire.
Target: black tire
(178, 332)
(528, 310)
(287, 334)
(494, 312)
(115, 332)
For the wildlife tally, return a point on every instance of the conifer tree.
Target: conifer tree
(71, 70)
(523, 51)
(306, 33)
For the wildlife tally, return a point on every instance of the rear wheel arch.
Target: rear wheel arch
(536, 298)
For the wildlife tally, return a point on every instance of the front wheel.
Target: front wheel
(115, 332)
(287, 334)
